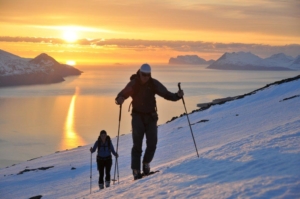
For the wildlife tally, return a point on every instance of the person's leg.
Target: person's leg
(108, 164)
(151, 139)
(138, 130)
(100, 164)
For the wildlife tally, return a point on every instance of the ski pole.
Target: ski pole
(188, 120)
(116, 164)
(91, 176)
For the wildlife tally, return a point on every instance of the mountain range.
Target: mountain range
(43, 69)
(249, 61)
(242, 61)
(189, 59)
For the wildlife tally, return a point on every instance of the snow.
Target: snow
(249, 60)
(249, 148)
(243, 58)
(14, 65)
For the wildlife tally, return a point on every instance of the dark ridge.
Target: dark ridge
(41, 168)
(290, 98)
(36, 197)
(34, 158)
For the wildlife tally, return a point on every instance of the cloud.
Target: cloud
(179, 46)
(260, 16)
(32, 40)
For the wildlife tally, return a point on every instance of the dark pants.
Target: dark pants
(104, 163)
(143, 124)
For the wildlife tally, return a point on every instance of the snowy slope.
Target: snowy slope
(281, 59)
(295, 64)
(249, 148)
(13, 65)
(15, 70)
(249, 61)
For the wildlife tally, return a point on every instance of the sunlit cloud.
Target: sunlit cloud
(185, 47)
(75, 28)
(162, 18)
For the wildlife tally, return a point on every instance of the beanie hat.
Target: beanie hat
(103, 132)
(145, 68)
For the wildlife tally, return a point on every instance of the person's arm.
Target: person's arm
(162, 91)
(113, 150)
(93, 149)
(125, 93)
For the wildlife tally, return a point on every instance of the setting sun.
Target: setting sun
(71, 62)
(70, 36)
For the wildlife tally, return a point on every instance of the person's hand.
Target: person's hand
(120, 100)
(91, 149)
(180, 93)
(117, 155)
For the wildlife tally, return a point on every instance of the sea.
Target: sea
(38, 120)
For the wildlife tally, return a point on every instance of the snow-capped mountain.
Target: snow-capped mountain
(248, 148)
(280, 58)
(189, 59)
(15, 70)
(249, 61)
(295, 64)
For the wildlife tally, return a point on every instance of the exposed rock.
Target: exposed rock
(41, 168)
(290, 98)
(36, 197)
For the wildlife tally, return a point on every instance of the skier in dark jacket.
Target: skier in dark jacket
(142, 88)
(104, 160)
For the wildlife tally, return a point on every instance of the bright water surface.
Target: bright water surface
(42, 119)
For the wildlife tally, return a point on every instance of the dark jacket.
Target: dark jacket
(143, 95)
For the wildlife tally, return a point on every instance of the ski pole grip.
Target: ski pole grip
(179, 86)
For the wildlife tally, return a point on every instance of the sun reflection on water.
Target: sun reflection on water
(70, 137)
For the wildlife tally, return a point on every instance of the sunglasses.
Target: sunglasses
(146, 74)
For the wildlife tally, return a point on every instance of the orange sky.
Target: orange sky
(101, 31)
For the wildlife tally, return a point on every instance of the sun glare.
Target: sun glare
(71, 62)
(70, 36)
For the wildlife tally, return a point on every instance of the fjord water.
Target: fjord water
(42, 119)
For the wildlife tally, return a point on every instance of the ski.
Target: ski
(151, 173)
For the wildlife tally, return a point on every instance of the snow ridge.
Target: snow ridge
(249, 61)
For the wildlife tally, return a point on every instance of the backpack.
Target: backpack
(108, 140)
(136, 87)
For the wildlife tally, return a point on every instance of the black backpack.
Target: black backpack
(108, 140)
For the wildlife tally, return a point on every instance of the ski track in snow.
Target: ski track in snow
(249, 148)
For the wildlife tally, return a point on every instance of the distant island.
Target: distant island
(249, 61)
(189, 59)
(43, 69)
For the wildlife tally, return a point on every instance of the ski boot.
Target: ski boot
(101, 186)
(107, 184)
(146, 168)
(136, 174)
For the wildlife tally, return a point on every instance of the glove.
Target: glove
(117, 155)
(91, 149)
(119, 100)
(180, 93)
